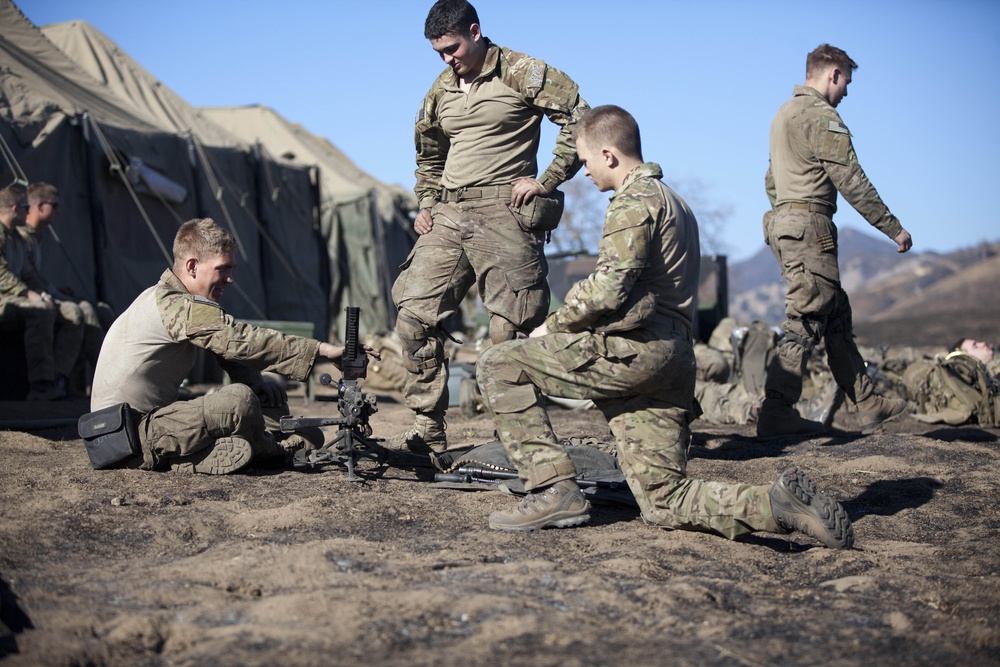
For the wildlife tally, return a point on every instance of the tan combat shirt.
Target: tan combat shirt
(490, 134)
(648, 263)
(151, 347)
(812, 158)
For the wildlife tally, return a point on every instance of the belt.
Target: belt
(812, 207)
(487, 192)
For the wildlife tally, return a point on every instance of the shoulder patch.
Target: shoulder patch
(204, 299)
(836, 126)
(537, 76)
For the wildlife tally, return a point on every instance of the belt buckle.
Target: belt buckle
(458, 193)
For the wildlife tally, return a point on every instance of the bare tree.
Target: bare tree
(583, 220)
(712, 216)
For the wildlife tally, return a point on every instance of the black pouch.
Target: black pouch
(111, 435)
(543, 212)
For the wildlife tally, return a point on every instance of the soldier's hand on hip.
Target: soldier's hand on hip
(523, 190)
(904, 241)
(423, 222)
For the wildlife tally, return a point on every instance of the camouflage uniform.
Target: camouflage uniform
(470, 147)
(812, 158)
(52, 336)
(150, 349)
(79, 311)
(623, 339)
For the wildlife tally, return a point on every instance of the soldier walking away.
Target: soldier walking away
(484, 210)
(812, 158)
(151, 347)
(623, 340)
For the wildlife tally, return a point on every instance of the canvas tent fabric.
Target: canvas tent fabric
(366, 223)
(270, 207)
(83, 122)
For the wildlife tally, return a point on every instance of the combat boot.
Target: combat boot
(823, 406)
(796, 504)
(427, 435)
(877, 410)
(777, 418)
(561, 505)
(227, 455)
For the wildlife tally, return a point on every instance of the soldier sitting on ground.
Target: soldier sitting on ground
(51, 339)
(151, 347)
(43, 211)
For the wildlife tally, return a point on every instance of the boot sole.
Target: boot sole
(226, 456)
(549, 522)
(827, 522)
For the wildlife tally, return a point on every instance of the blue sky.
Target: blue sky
(702, 78)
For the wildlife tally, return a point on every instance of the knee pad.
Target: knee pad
(501, 329)
(422, 347)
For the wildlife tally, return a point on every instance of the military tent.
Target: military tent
(132, 160)
(357, 212)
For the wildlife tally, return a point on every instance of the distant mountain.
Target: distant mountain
(899, 298)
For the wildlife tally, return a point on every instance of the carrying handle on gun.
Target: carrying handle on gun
(355, 361)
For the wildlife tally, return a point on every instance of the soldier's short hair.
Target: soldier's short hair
(824, 56)
(203, 239)
(611, 125)
(41, 192)
(11, 196)
(450, 16)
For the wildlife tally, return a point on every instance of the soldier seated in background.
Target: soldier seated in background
(51, 339)
(94, 319)
(151, 347)
(623, 339)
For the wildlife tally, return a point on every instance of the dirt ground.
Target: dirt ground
(302, 567)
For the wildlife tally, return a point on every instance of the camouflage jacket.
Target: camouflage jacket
(17, 271)
(647, 266)
(812, 158)
(490, 134)
(151, 347)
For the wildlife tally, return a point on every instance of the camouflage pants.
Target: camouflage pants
(186, 427)
(476, 242)
(52, 336)
(644, 387)
(724, 403)
(816, 307)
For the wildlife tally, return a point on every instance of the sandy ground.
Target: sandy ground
(302, 567)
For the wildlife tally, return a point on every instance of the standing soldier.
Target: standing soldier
(623, 339)
(812, 158)
(483, 212)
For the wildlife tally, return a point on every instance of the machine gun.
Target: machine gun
(353, 440)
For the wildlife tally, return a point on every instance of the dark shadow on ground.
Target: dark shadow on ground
(891, 496)
(958, 434)
(13, 620)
